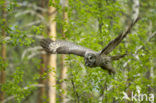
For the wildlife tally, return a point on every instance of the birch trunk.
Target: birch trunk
(135, 9)
(63, 67)
(135, 14)
(52, 58)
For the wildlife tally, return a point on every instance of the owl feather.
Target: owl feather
(92, 58)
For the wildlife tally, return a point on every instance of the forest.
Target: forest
(77, 51)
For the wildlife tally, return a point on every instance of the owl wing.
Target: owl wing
(114, 43)
(64, 47)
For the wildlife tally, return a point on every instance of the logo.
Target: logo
(138, 96)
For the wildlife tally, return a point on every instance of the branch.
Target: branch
(30, 36)
(32, 49)
(81, 64)
(33, 85)
(139, 48)
(36, 53)
(153, 34)
(33, 23)
(31, 12)
(77, 95)
(35, 36)
(26, 4)
(135, 8)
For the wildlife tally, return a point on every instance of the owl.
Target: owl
(92, 58)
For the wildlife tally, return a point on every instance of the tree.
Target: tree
(43, 67)
(3, 50)
(52, 58)
(63, 66)
(91, 23)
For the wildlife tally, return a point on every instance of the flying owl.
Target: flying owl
(91, 57)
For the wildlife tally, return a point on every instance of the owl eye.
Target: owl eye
(90, 57)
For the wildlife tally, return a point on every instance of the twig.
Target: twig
(73, 84)
(35, 36)
(31, 12)
(33, 85)
(32, 49)
(135, 14)
(139, 48)
(26, 4)
(153, 34)
(77, 95)
(33, 23)
(30, 36)
(36, 53)
(80, 63)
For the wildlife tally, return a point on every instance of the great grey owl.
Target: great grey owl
(91, 57)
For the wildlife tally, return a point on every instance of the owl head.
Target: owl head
(90, 59)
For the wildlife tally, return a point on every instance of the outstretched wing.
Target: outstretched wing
(114, 43)
(64, 47)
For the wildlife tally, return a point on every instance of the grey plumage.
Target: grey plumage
(64, 47)
(92, 58)
(114, 43)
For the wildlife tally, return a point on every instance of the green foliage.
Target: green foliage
(14, 86)
(3, 64)
(83, 28)
(93, 24)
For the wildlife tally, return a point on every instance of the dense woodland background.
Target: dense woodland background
(29, 75)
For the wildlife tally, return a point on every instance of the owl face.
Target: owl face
(90, 59)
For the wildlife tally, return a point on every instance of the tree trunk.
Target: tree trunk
(135, 14)
(43, 66)
(42, 91)
(135, 9)
(63, 67)
(3, 50)
(52, 57)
